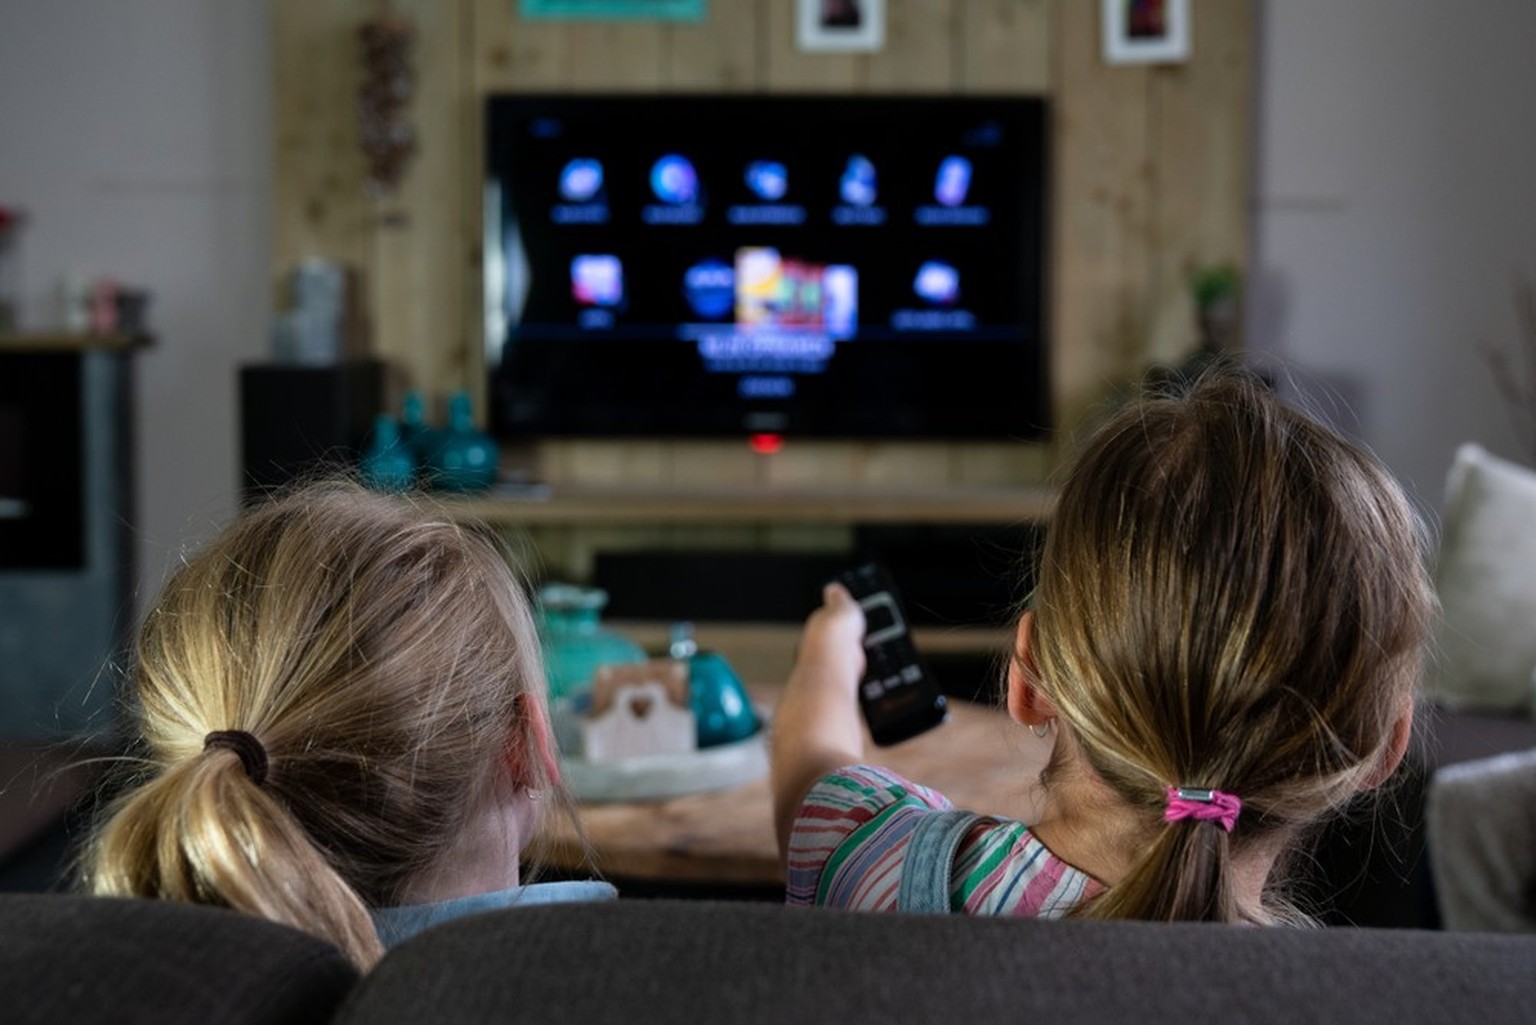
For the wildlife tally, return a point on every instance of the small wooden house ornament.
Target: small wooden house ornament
(638, 710)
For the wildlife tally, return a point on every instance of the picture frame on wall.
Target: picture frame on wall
(1145, 31)
(841, 26)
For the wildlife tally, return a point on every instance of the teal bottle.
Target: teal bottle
(466, 459)
(419, 436)
(387, 463)
(722, 711)
(574, 641)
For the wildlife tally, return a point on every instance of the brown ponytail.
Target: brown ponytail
(1185, 875)
(382, 656)
(1230, 596)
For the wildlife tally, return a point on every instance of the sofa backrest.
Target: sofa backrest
(693, 962)
(79, 959)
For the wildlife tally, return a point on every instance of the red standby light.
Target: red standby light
(766, 444)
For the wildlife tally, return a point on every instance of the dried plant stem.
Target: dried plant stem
(1516, 379)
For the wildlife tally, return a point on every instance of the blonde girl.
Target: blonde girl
(340, 705)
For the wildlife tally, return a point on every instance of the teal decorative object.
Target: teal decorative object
(466, 458)
(722, 711)
(574, 641)
(387, 463)
(418, 435)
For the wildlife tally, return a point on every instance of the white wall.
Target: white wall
(136, 135)
(1396, 203)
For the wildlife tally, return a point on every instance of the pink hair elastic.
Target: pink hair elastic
(1203, 806)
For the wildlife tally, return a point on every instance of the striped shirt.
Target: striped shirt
(853, 830)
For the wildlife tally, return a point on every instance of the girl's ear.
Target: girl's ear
(1397, 747)
(538, 743)
(1026, 704)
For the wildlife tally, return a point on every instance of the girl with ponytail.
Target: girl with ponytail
(1229, 620)
(340, 704)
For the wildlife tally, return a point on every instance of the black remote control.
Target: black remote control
(899, 696)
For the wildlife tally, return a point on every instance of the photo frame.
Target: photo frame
(1145, 31)
(841, 26)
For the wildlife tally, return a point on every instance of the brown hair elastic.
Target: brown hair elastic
(253, 756)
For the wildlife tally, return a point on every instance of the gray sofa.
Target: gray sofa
(81, 959)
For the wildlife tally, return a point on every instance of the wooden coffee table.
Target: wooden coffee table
(980, 759)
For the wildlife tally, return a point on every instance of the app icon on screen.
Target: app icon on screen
(840, 302)
(581, 180)
(710, 288)
(938, 283)
(759, 285)
(858, 181)
(674, 180)
(597, 280)
(953, 181)
(768, 180)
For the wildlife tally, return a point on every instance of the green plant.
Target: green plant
(1210, 285)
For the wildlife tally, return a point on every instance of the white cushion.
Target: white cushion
(1486, 577)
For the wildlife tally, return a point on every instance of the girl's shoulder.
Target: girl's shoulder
(851, 836)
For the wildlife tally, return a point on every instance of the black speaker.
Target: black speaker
(741, 586)
(296, 420)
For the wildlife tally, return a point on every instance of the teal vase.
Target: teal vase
(387, 463)
(722, 711)
(574, 640)
(419, 436)
(465, 458)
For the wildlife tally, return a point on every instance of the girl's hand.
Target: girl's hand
(832, 646)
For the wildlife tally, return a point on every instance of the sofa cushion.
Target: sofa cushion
(1481, 823)
(71, 958)
(698, 961)
(1486, 577)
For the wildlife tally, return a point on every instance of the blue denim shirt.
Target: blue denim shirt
(396, 925)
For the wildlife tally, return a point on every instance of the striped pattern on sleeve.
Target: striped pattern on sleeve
(853, 829)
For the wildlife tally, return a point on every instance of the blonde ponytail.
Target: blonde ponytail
(204, 833)
(379, 657)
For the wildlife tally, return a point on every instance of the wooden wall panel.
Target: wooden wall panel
(1101, 214)
(806, 464)
(1004, 46)
(616, 56)
(1001, 463)
(703, 464)
(510, 54)
(919, 51)
(722, 53)
(1202, 112)
(318, 170)
(788, 69)
(1151, 175)
(423, 233)
(897, 466)
(409, 247)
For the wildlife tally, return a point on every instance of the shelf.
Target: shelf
(764, 652)
(653, 635)
(60, 341)
(759, 505)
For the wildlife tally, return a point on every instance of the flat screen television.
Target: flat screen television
(811, 266)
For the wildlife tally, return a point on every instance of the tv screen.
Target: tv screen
(814, 266)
